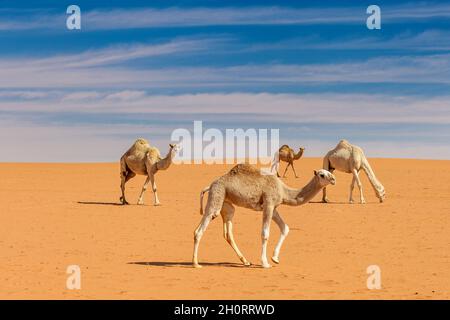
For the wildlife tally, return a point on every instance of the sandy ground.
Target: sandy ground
(55, 215)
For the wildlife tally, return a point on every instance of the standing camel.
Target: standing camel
(145, 160)
(349, 158)
(248, 187)
(286, 154)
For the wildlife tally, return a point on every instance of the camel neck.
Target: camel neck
(308, 192)
(298, 155)
(296, 197)
(166, 162)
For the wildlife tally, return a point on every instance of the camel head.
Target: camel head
(325, 177)
(380, 192)
(174, 148)
(299, 153)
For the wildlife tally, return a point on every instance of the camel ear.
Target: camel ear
(315, 172)
(171, 145)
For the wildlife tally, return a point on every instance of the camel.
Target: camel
(349, 158)
(143, 159)
(286, 154)
(248, 187)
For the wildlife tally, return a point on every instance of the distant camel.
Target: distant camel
(286, 154)
(143, 159)
(349, 158)
(248, 187)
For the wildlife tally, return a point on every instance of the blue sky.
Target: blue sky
(145, 68)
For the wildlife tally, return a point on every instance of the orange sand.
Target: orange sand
(55, 215)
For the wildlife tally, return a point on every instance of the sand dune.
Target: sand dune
(55, 215)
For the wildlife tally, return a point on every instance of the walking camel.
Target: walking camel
(349, 158)
(143, 159)
(248, 187)
(286, 154)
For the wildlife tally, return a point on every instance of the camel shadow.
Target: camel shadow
(341, 202)
(101, 203)
(189, 264)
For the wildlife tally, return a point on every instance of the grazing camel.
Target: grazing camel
(349, 158)
(248, 187)
(286, 154)
(143, 159)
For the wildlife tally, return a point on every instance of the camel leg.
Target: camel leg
(124, 177)
(324, 190)
(227, 216)
(144, 188)
(155, 194)
(352, 186)
(324, 195)
(284, 229)
(267, 217)
(206, 219)
(358, 182)
(284, 174)
(295, 173)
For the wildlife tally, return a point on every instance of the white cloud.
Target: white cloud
(81, 95)
(126, 95)
(188, 17)
(326, 108)
(23, 94)
(428, 40)
(91, 70)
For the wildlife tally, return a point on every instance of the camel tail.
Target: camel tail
(201, 198)
(275, 163)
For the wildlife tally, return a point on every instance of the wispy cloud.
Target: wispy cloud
(114, 54)
(307, 108)
(78, 70)
(23, 94)
(193, 17)
(428, 40)
(126, 95)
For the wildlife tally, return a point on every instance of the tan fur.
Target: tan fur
(248, 187)
(350, 158)
(143, 159)
(287, 154)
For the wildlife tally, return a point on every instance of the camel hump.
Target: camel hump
(141, 142)
(245, 169)
(344, 143)
(285, 147)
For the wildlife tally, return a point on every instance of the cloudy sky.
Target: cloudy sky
(145, 68)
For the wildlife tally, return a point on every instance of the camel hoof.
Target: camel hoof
(325, 200)
(157, 204)
(276, 260)
(123, 201)
(363, 201)
(140, 202)
(266, 265)
(197, 266)
(351, 201)
(247, 264)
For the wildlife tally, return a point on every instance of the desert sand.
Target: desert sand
(55, 215)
